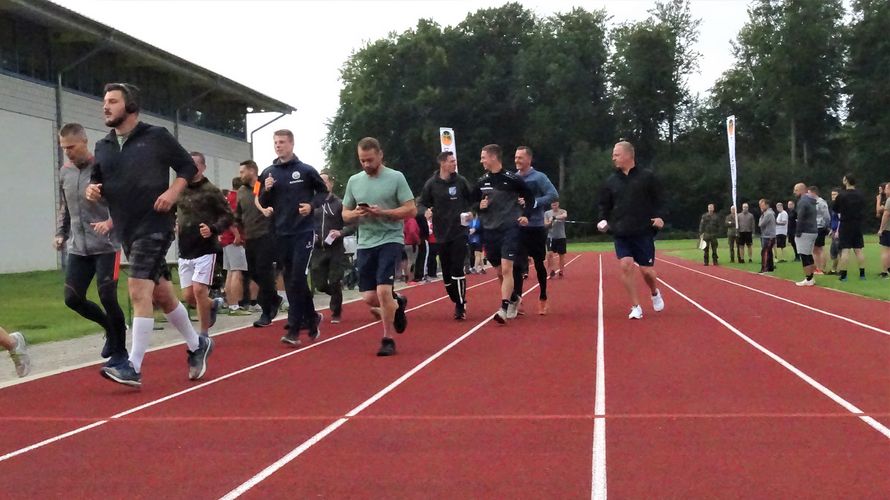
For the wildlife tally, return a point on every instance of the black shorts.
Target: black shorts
(501, 243)
(781, 240)
(557, 246)
(850, 238)
(884, 239)
(745, 238)
(147, 256)
(820, 238)
(641, 248)
(377, 265)
(476, 247)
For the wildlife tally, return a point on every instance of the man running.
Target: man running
(291, 187)
(84, 225)
(631, 209)
(378, 199)
(131, 172)
(555, 221)
(533, 236)
(202, 215)
(329, 260)
(448, 195)
(497, 193)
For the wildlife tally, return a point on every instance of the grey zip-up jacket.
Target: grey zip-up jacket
(76, 213)
(767, 224)
(329, 216)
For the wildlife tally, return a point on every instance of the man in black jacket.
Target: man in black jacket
(631, 209)
(292, 187)
(449, 195)
(131, 172)
(329, 260)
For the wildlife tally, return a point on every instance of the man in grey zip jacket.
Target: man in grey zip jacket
(91, 252)
(328, 261)
(767, 224)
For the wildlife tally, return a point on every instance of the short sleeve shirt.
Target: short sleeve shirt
(388, 190)
(557, 227)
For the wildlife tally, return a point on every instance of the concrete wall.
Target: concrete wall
(28, 165)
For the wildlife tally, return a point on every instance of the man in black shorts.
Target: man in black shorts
(131, 172)
(631, 209)
(746, 233)
(448, 195)
(850, 206)
(497, 193)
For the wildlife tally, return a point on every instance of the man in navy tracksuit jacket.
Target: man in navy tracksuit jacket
(291, 187)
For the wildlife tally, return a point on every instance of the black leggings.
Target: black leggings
(453, 254)
(79, 274)
(532, 243)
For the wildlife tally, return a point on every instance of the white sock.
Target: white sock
(179, 318)
(142, 328)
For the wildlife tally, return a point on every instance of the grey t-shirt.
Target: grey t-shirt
(557, 227)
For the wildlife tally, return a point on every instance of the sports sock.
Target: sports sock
(179, 318)
(142, 328)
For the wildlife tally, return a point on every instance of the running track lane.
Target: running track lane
(507, 413)
(694, 411)
(206, 442)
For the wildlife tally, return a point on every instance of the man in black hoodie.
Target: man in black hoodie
(132, 172)
(329, 260)
(630, 208)
(292, 187)
(449, 196)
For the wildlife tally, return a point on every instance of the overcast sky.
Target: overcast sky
(293, 50)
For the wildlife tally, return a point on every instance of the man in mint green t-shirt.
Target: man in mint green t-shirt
(378, 199)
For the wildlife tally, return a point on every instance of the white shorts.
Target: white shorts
(198, 270)
(234, 258)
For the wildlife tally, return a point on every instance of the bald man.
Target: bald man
(805, 232)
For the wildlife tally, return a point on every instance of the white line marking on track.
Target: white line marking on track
(836, 316)
(205, 384)
(599, 489)
(793, 369)
(296, 452)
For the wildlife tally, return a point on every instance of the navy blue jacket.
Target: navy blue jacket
(295, 183)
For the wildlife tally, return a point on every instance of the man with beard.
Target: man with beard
(131, 172)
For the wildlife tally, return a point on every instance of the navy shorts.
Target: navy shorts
(640, 247)
(147, 256)
(558, 246)
(501, 243)
(377, 265)
(885, 239)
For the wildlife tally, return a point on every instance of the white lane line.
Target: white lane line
(788, 366)
(205, 384)
(820, 311)
(599, 490)
(299, 450)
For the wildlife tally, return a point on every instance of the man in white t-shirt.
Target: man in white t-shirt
(781, 231)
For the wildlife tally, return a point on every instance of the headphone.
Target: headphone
(131, 97)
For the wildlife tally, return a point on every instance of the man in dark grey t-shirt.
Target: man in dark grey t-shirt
(555, 220)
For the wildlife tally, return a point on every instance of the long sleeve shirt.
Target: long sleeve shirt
(629, 202)
(448, 198)
(544, 192)
(503, 190)
(295, 183)
(76, 213)
(201, 203)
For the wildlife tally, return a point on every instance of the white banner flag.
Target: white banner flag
(733, 172)
(446, 139)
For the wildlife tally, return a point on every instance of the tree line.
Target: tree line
(810, 87)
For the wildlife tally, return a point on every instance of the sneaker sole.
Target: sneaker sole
(498, 319)
(290, 342)
(130, 383)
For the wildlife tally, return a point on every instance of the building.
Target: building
(53, 66)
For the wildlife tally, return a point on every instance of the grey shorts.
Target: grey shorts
(805, 243)
(234, 258)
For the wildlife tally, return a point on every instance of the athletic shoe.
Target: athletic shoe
(335, 320)
(19, 354)
(657, 301)
(482, 271)
(862, 278)
(806, 282)
(282, 305)
(552, 275)
(513, 308)
(543, 307)
(560, 274)
(460, 312)
(215, 304)
(636, 312)
(314, 330)
(291, 339)
(263, 322)
(123, 373)
(197, 359)
(842, 279)
(387, 347)
(239, 312)
(257, 308)
(401, 320)
(500, 316)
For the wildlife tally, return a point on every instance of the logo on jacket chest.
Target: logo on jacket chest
(452, 191)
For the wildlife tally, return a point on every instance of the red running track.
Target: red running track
(481, 410)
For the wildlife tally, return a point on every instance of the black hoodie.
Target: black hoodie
(448, 199)
(295, 183)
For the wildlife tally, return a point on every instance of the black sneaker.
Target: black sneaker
(401, 320)
(460, 312)
(263, 322)
(291, 338)
(107, 350)
(314, 326)
(197, 359)
(123, 373)
(387, 347)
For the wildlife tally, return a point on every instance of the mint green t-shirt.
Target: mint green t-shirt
(388, 190)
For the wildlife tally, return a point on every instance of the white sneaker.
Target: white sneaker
(657, 301)
(806, 282)
(636, 312)
(513, 308)
(20, 356)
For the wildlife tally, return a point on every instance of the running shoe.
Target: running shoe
(636, 312)
(657, 301)
(500, 316)
(805, 282)
(387, 347)
(123, 373)
(215, 304)
(291, 338)
(543, 307)
(401, 320)
(513, 308)
(197, 359)
(19, 354)
(460, 313)
(314, 326)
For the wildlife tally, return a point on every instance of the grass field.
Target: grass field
(33, 302)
